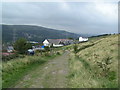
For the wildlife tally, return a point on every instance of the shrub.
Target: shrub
(58, 53)
(47, 48)
(75, 48)
(47, 54)
(37, 51)
(104, 65)
(9, 57)
(22, 46)
(112, 75)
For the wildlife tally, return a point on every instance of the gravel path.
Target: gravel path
(50, 75)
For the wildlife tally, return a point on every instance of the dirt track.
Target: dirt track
(50, 75)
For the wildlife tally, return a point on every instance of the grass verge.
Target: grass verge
(14, 70)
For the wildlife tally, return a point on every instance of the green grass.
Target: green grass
(15, 69)
(1, 62)
(95, 65)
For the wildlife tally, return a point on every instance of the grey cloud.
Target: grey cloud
(74, 17)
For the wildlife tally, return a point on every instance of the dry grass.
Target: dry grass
(85, 70)
(15, 69)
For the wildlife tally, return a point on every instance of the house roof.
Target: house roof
(57, 41)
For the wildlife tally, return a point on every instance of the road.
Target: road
(51, 75)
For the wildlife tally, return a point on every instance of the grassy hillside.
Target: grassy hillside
(95, 65)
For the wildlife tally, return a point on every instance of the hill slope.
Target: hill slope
(36, 33)
(95, 65)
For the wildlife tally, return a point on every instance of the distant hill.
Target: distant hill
(33, 33)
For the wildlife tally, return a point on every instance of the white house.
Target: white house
(46, 42)
(52, 42)
(81, 39)
(57, 42)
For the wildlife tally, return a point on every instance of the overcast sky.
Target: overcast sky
(77, 17)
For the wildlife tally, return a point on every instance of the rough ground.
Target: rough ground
(50, 75)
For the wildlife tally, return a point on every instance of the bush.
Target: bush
(58, 53)
(22, 46)
(75, 48)
(47, 48)
(9, 57)
(47, 54)
(104, 65)
(112, 75)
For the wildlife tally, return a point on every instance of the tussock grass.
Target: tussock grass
(96, 64)
(15, 69)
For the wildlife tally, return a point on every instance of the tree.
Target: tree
(22, 46)
(75, 48)
(47, 48)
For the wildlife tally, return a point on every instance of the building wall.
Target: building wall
(82, 39)
(46, 43)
